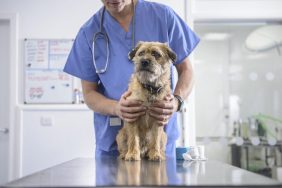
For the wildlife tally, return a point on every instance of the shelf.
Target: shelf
(65, 107)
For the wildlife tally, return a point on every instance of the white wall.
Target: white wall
(236, 9)
(68, 137)
(50, 18)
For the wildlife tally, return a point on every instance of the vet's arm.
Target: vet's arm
(185, 79)
(128, 110)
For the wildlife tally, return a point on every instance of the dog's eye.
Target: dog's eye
(141, 53)
(156, 54)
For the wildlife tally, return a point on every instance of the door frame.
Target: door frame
(13, 166)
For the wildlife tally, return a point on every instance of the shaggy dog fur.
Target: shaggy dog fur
(150, 82)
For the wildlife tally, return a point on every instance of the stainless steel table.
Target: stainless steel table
(114, 172)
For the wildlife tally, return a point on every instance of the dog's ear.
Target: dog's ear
(171, 54)
(132, 53)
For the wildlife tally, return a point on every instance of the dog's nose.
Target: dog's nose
(145, 63)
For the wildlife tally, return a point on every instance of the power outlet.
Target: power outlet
(47, 121)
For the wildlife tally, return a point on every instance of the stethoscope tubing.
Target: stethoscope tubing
(106, 38)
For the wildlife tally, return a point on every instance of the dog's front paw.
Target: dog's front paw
(122, 156)
(132, 156)
(155, 156)
(163, 155)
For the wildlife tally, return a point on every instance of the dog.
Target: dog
(150, 82)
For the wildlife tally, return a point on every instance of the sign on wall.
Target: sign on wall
(45, 82)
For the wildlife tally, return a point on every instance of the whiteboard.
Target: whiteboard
(45, 82)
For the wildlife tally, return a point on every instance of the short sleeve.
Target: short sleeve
(181, 38)
(80, 61)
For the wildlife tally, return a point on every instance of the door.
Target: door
(4, 99)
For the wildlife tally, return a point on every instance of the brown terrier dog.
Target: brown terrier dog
(150, 82)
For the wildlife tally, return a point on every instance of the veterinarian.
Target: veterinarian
(99, 57)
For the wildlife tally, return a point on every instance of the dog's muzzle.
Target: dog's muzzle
(145, 63)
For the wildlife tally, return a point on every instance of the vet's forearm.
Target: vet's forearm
(99, 103)
(185, 81)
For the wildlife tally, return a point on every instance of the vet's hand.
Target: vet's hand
(163, 110)
(129, 110)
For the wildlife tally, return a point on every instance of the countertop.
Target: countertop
(114, 172)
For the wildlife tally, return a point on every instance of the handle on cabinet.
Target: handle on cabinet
(4, 130)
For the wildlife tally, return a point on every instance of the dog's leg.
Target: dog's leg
(121, 143)
(163, 142)
(133, 144)
(155, 144)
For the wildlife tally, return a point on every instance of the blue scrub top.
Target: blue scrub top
(153, 22)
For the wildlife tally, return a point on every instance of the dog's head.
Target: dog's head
(152, 60)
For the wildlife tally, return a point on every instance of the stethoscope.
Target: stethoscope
(103, 34)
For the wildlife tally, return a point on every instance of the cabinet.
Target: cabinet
(53, 134)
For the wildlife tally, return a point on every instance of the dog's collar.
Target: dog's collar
(152, 89)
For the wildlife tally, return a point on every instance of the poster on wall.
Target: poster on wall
(45, 82)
